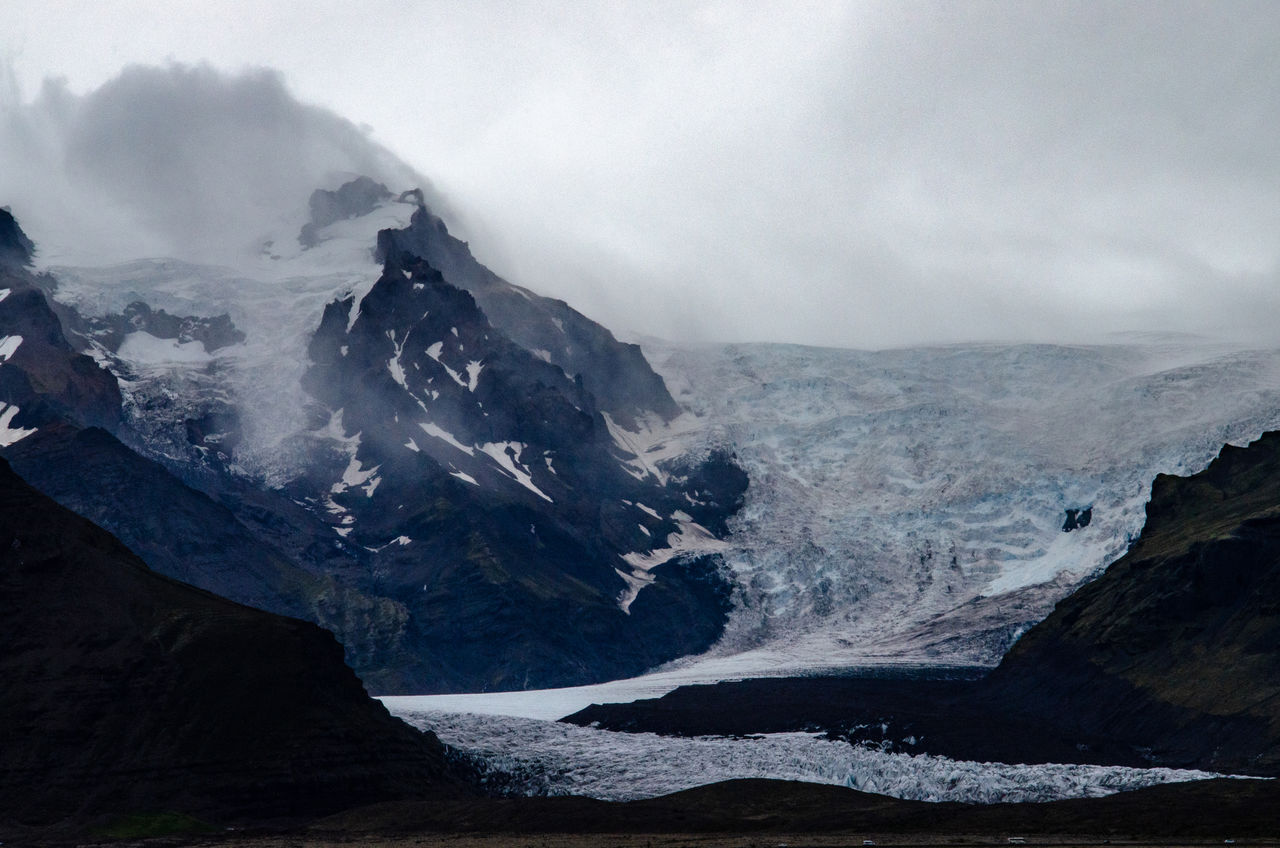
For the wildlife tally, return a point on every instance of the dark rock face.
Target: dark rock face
(42, 375)
(495, 503)
(214, 333)
(615, 373)
(57, 441)
(358, 197)
(129, 692)
(183, 533)
(476, 524)
(1077, 519)
(16, 250)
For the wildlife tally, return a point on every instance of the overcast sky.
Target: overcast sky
(858, 175)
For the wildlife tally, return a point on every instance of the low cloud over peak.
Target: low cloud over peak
(179, 160)
(854, 174)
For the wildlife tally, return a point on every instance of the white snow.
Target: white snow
(548, 758)
(507, 455)
(474, 368)
(275, 296)
(648, 510)
(8, 433)
(433, 429)
(464, 477)
(691, 539)
(412, 445)
(9, 345)
(655, 441)
(354, 475)
(4, 293)
(144, 349)
(397, 372)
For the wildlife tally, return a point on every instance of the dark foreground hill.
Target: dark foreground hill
(1171, 657)
(125, 691)
(770, 812)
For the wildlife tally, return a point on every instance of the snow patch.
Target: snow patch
(691, 539)
(8, 433)
(9, 346)
(433, 429)
(648, 510)
(464, 477)
(507, 455)
(474, 368)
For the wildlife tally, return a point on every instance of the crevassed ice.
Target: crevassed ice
(907, 505)
(549, 758)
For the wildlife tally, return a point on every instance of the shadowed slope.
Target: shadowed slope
(127, 691)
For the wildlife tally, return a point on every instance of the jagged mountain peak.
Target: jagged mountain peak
(16, 250)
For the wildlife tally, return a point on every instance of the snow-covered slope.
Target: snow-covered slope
(356, 408)
(908, 506)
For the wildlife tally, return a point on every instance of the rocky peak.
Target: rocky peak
(494, 500)
(16, 250)
(42, 377)
(351, 200)
(616, 373)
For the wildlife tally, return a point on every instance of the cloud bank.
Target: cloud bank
(850, 174)
(180, 161)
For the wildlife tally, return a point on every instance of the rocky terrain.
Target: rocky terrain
(126, 691)
(459, 509)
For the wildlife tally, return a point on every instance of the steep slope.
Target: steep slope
(617, 374)
(458, 509)
(57, 402)
(1176, 648)
(496, 502)
(129, 692)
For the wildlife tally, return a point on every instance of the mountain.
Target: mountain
(616, 374)
(128, 692)
(499, 498)
(462, 512)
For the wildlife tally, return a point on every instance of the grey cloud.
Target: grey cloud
(856, 174)
(201, 163)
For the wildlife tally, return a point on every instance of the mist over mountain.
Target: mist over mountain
(182, 161)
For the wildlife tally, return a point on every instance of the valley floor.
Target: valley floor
(668, 840)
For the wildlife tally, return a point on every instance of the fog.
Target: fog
(857, 175)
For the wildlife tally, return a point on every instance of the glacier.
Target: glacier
(535, 757)
(907, 506)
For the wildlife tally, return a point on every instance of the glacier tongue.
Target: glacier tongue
(907, 506)
(548, 758)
